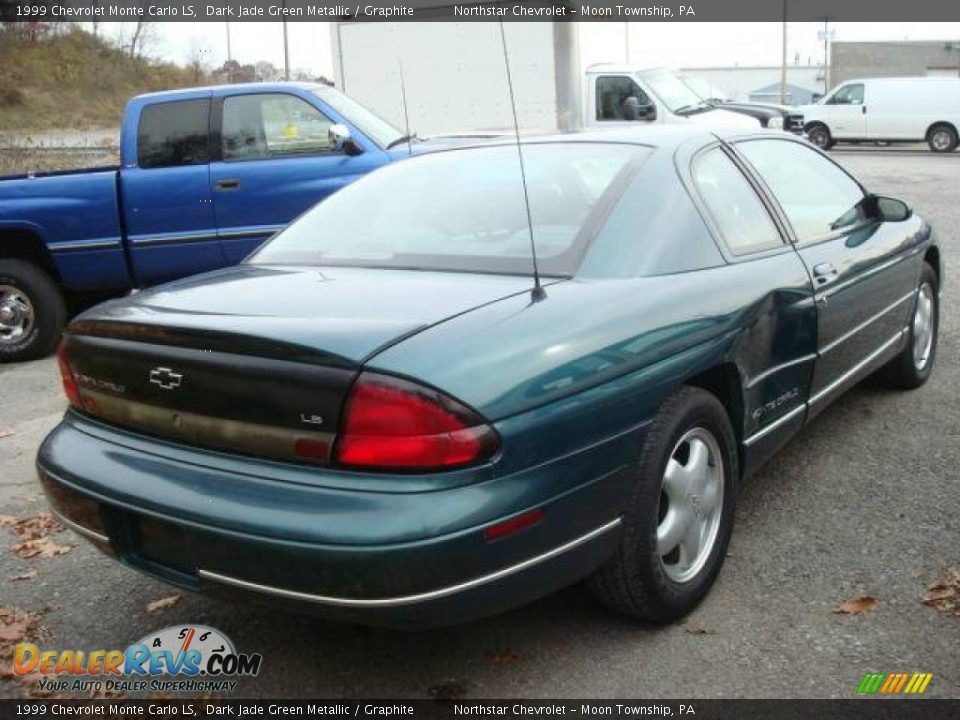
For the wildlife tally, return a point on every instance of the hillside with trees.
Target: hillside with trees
(56, 75)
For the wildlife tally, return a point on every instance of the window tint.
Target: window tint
(174, 133)
(740, 215)
(463, 210)
(818, 197)
(848, 95)
(272, 125)
(612, 93)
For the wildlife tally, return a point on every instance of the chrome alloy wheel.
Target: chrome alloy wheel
(923, 318)
(691, 505)
(941, 140)
(16, 315)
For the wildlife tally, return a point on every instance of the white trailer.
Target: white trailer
(455, 77)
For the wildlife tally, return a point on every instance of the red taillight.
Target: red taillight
(393, 423)
(66, 374)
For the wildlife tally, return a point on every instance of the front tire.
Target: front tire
(942, 138)
(32, 312)
(912, 367)
(820, 136)
(680, 515)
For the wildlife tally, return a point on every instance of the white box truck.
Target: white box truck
(910, 109)
(455, 82)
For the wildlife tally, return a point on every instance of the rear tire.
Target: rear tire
(912, 367)
(942, 138)
(32, 312)
(819, 135)
(645, 578)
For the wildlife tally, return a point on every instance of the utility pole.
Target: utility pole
(626, 42)
(783, 59)
(229, 56)
(286, 46)
(826, 34)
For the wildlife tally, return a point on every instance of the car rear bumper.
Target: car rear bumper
(183, 522)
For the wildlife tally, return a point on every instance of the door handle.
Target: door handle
(824, 272)
(864, 109)
(231, 184)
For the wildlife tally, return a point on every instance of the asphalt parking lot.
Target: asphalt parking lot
(865, 502)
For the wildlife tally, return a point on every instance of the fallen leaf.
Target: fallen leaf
(8, 520)
(38, 526)
(945, 594)
(503, 657)
(858, 606)
(164, 603)
(5, 434)
(42, 548)
(26, 575)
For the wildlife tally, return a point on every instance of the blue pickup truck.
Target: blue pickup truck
(205, 176)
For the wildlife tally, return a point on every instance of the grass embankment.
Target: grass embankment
(73, 80)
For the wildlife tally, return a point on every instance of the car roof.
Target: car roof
(664, 136)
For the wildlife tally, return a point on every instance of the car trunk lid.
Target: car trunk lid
(256, 360)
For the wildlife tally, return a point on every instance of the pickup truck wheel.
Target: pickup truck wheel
(942, 139)
(680, 515)
(32, 311)
(912, 367)
(820, 136)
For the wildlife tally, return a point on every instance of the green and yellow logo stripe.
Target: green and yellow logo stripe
(900, 683)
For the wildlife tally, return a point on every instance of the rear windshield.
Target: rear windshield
(464, 210)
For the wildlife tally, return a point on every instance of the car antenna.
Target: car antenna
(538, 292)
(406, 116)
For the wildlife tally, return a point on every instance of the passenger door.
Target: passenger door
(166, 196)
(862, 289)
(847, 112)
(275, 161)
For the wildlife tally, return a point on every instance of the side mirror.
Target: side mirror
(341, 141)
(892, 210)
(633, 110)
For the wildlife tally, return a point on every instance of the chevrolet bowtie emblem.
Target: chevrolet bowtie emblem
(166, 378)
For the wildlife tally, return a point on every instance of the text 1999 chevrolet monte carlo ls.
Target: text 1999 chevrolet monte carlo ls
(375, 416)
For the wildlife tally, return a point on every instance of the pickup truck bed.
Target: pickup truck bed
(205, 176)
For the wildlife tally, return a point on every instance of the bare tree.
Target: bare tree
(143, 36)
(198, 59)
(266, 72)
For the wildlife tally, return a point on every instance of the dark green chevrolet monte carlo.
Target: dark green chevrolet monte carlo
(381, 416)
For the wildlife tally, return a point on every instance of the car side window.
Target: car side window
(740, 216)
(174, 133)
(271, 125)
(817, 197)
(848, 95)
(612, 93)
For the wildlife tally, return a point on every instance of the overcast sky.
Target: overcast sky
(666, 44)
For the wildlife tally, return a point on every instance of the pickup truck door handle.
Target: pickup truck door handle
(232, 184)
(824, 272)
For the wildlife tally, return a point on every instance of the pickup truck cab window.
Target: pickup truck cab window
(743, 221)
(272, 125)
(818, 198)
(174, 133)
(612, 93)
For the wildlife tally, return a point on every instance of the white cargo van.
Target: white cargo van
(888, 110)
